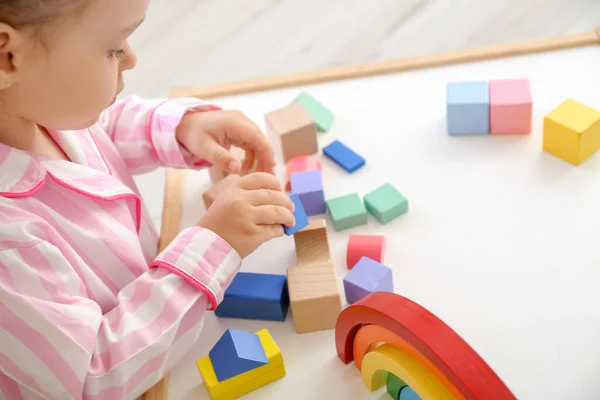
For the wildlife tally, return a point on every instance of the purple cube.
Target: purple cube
(366, 277)
(308, 185)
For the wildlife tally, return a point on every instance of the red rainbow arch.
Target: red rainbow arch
(413, 334)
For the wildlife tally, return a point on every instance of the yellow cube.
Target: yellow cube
(249, 381)
(572, 131)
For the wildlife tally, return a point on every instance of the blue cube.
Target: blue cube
(299, 214)
(468, 108)
(308, 185)
(237, 352)
(256, 296)
(366, 277)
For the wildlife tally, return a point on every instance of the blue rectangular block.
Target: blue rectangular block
(309, 186)
(237, 352)
(343, 156)
(468, 108)
(256, 296)
(299, 214)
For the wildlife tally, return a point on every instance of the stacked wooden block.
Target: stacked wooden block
(502, 106)
(241, 362)
(314, 296)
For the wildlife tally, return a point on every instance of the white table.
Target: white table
(501, 241)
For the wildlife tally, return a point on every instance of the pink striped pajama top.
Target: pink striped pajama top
(88, 309)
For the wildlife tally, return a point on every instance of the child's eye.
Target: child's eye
(119, 54)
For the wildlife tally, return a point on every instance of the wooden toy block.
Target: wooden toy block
(511, 106)
(314, 297)
(572, 131)
(359, 246)
(386, 203)
(255, 296)
(311, 243)
(343, 156)
(468, 108)
(322, 116)
(246, 382)
(407, 393)
(299, 214)
(367, 277)
(308, 186)
(210, 195)
(292, 130)
(394, 385)
(347, 211)
(236, 352)
(300, 164)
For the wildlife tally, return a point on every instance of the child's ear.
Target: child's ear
(11, 54)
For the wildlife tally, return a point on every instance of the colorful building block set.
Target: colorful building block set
(241, 362)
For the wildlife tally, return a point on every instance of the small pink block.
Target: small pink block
(510, 106)
(300, 164)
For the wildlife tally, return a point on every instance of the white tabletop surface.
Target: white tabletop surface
(501, 240)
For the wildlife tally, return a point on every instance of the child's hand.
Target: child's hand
(208, 135)
(250, 212)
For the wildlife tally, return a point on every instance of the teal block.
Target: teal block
(347, 211)
(468, 108)
(394, 385)
(386, 203)
(322, 116)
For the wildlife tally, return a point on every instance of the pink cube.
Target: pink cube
(510, 106)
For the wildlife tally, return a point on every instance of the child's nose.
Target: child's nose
(130, 59)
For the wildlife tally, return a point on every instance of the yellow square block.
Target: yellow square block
(572, 131)
(249, 381)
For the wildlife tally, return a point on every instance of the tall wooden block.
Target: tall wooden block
(209, 196)
(314, 296)
(510, 106)
(292, 131)
(572, 131)
(311, 243)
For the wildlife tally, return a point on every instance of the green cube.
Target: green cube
(347, 211)
(394, 385)
(386, 203)
(319, 113)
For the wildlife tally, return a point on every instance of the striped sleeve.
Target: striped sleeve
(57, 343)
(143, 131)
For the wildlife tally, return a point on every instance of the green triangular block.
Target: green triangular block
(322, 116)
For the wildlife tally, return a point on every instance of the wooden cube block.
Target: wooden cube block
(386, 203)
(312, 245)
(510, 106)
(572, 131)
(366, 277)
(347, 211)
(359, 246)
(209, 196)
(308, 185)
(300, 164)
(314, 296)
(467, 108)
(322, 116)
(292, 131)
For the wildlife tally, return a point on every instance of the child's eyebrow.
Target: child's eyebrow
(133, 27)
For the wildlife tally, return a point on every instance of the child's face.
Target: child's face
(69, 82)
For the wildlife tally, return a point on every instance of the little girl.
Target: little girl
(88, 309)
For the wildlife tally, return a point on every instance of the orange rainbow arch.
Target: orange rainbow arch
(385, 332)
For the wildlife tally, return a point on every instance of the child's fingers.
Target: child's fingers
(264, 197)
(221, 157)
(259, 180)
(248, 161)
(273, 215)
